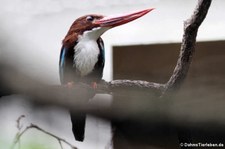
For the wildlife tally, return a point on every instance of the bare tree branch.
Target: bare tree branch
(60, 140)
(188, 45)
(135, 84)
(33, 126)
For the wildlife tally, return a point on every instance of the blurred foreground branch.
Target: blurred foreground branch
(15, 82)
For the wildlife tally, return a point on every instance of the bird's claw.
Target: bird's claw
(94, 85)
(69, 85)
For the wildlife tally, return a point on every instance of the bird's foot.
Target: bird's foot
(94, 85)
(69, 84)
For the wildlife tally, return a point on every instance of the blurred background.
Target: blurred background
(30, 39)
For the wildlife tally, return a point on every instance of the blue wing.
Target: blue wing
(62, 64)
(67, 71)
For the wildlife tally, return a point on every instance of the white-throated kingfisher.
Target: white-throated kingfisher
(82, 55)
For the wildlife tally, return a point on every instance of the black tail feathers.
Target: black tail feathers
(78, 125)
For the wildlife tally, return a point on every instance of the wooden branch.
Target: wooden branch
(188, 45)
(135, 84)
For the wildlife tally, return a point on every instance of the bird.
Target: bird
(82, 55)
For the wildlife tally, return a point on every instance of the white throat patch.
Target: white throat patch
(87, 50)
(86, 55)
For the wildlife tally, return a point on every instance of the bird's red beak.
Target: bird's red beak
(122, 19)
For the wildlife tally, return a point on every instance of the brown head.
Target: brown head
(96, 25)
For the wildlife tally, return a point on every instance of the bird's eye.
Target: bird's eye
(90, 18)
